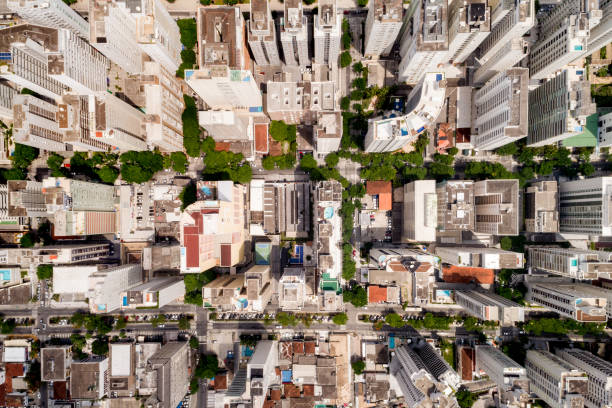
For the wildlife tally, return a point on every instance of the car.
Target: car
(161, 326)
(44, 326)
(279, 327)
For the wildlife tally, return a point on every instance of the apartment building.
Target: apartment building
(420, 211)
(555, 381)
(262, 34)
(604, 130)
(224, 80)
(585, 206)
(489, 306)
(559, 107)
(509, 55)
(542, 207)
(424, 43)
(172, 366)
(54, 254)
(501, 108)
(300, 102)
(500, 368)
(9, 222)
(35, 124)
(601, 34)
(392, 132)
(455, 202)
(480, 257)
(496, 208)
(383, 24)
(572, 263)
(76, 119)
(578, 301)
(292, 289)
(286, 209)
(25, 199)
(106, 285)
(327, 33)
(469, 24)
(50, 13)
(261, 371)
(7, 94)
(89, 378)
(327, 132)
(599, 372)
(294, 34)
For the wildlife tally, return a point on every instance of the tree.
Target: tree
(78, 341)
(44, 272)
(362, 3)
(7, 326)
(194, 343)
(184, 323)
(357, 296)
(27, 240)
(506, 243)
(465, 398)
(188, 29)
(55, 162)
(194, 298)
(23, 156)
(510, 149)
(191, 126)
(188, 196)
(207, 367)
(340, 319)
(157, 320)
(179, 162)
(32, 377)
(286, 319)
(108, 174)
(394, 320)
(332, 160)
(345, 59)
(120, 324)
(358, 366)
(308, 162)
(345, 103)
(194, 384)
(100, 346)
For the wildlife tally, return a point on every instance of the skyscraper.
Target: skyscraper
(420, 211)
(294, 34)
(106, 285)
(327, 33)
(383, 24)
(262, 34)
(469, 23)
(50, 13)
(35, 125)
(599, 372)
(500, 368)
(585, 206)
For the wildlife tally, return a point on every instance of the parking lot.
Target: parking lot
(375, 226)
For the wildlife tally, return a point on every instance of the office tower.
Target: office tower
(542, 207)
(158, 34)
(35, 125)
(510, 54)
(50, 13)
(172, 364)
(424, 44)
(383, 24)
(160, 93)
(599, 372)
(570, 262)
(113, 33)
(578, 301)
(500, 368)
(604, 130)
(262, 34)
(489, 306)
(564, 35)
(455, 205)
(480, 257)
(469, 24)
(327, 33)
(601, 34)
(518, 19)
(106, 285)
(327, 132)
(224, 79)
(89, 378)
(559, 108)
(80, 207)
(7, 93)
(77, 123)
(501, 108)
(555, 381)
(420, 211)
(425, 101)
(294, 34)
(496, 207)
(260, 370)
(585, 206)
(213, 228)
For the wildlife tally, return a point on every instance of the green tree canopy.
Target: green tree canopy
(358, 366)
(340, 319)
(44, 272)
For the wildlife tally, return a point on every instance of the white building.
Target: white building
(424, 44)
(604, 130)
(489, 306)
(294, 34)
(9, 221)
(501, 108)
(383, 24)
(510, 54)
(477, 257)
(327, 132)
(292, 289)
(599, 372)
(393, 132)
(499, 367)
(157, 292)
(585, 206)
(327, 33)
(105, 286)
(469, 23)
(7, 93)
(50, 13)
(555, 381)
(34, 123)
(56, 254)
(262, 34)
(261, 371)
(420, 211)
(496, 207)
(575, 263)
(542, 207)
(601, 34)
(226, 124)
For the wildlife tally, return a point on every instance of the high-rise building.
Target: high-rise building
(489, 306)
(455, 205)
(113, 32)
(7, 94)
(542, 207)
(572, 263)
(300, 102)
(172, 363)
(75, 121)
(392, 132)
(292, 289)
(50, 13)
(224, 125)
(500, 368)
(469, 24)
(501, 108)
(224, 79)
(554, 380)
(480, 257)
(559, 107)
(262, 34)
(89, 378)
(25, 199)
(294, 34)
(599, 372)
(601, 34)
(327, 132)
(564, 35)
(604, 130)
(260, 371)
(55, 254)
(35, 123)
(424, 43)
(578, 301)
(7, 221)
(106, 285)
(510, 54)
(327, 33)
(383, 24)
(585, 206)
(496, 207)
(420, 211)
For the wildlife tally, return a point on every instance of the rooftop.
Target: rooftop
(217, 29)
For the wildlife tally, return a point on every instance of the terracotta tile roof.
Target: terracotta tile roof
(291, 391)
(261, 137)
(221, 382)
(308, 390)
(12, 370)
(309, 347)
(465, 274)
(60, 390)
(276, 148)
(467, 363)
(384, 191)
(222, 146)
(275, 395)
(298, 347)
(424, 267)
(396, 266)
(377, 294)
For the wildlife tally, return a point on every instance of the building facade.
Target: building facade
(327, 33)
(294, 34)
(585, 206)
(383, 24)
(572, 263)
(500, 368)
(262, 34)
(469, 24)
(53, 13)
(496, 207)
(420, 211)
(489, 306)
(599, 372)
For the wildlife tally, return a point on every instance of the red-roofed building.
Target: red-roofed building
(377, 294)
(466, 274)
(298, 347)
(382, 193)
(468, 363)
(308, 390)
(261, 138)
(222, 146)
(60, 390)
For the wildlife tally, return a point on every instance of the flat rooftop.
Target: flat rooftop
(217, 36)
